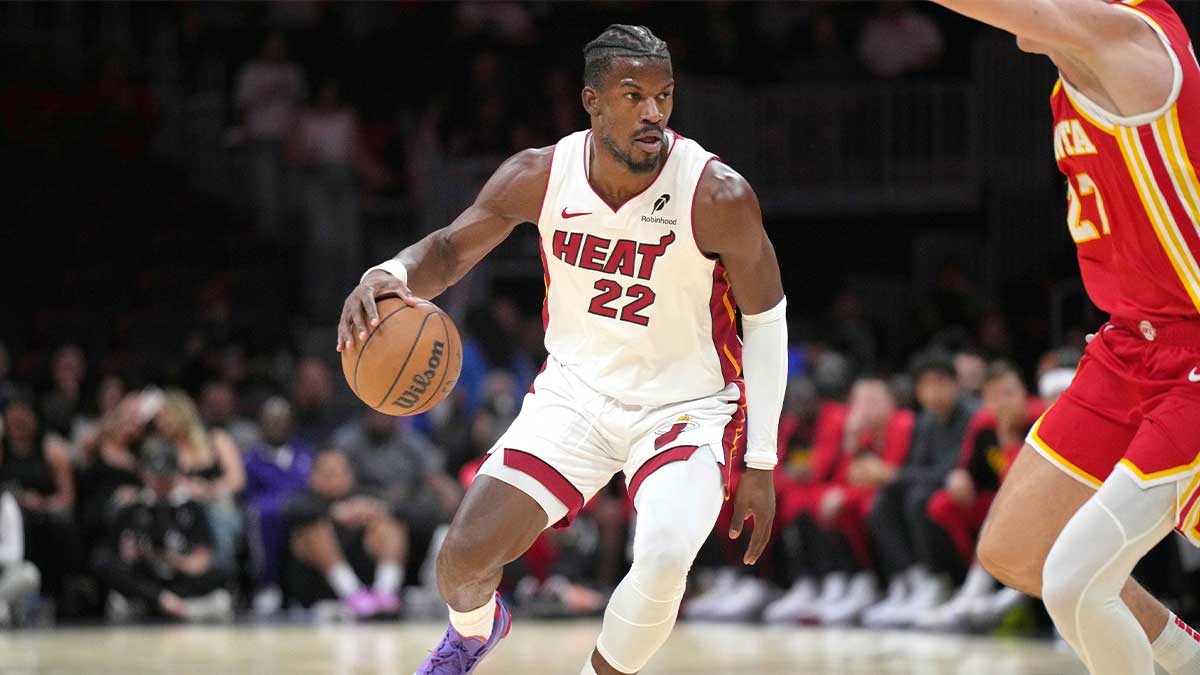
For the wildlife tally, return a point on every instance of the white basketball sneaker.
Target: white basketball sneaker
(862, 593)
(794, 604)
(880, 614)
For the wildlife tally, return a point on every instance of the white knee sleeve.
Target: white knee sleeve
(677, 507)
(1089, 564)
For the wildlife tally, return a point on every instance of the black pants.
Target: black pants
(52, 542)
(897, 525)
(809, 550)
(139, 580)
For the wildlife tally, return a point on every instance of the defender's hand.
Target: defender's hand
(755, 498)
(359, 310)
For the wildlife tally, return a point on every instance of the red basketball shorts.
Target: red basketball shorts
(1134, 404)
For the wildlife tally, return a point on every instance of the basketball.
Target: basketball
(409, 362)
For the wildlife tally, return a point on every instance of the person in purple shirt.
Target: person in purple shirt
(277, 467)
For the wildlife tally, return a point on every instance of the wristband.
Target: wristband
(393, 267)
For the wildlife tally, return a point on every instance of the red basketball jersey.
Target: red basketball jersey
(1133, 196)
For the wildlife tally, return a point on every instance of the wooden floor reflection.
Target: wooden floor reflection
(533, 648)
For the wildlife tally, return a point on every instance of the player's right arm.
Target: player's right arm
(513, 195)
(1106, 50)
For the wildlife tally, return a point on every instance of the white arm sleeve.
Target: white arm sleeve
(764, 367)
(12, 532)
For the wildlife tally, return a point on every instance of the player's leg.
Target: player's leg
(1033, 505)
(495, 524)
(1089, 565)
(677, 506)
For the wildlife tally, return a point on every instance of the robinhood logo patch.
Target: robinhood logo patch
(659, 205)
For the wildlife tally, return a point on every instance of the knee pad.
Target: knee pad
(661, 565)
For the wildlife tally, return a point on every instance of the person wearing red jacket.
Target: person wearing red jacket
(856, 448)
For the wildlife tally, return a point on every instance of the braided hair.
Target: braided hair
(616, 42)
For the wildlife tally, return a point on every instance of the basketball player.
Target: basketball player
(650, 246)
(1109, 469)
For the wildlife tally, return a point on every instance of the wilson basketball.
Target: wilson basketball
(409, 362)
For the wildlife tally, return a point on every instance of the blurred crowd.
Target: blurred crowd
(125, 502)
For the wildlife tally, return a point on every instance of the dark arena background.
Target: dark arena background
(193, 188)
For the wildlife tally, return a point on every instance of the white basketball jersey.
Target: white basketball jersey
(633, 307)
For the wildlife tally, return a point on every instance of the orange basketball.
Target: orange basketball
(409, 362)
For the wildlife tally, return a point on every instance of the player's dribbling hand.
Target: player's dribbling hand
(359, 311)
(755, 498)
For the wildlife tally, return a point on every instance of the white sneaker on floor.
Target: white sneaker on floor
(950, 615)
(267, 601)
(722, 584)
(989, 610)
(931, 592)
(745, 600)
(794, 604)
(880, 614)
(863, 592)
(215, 607)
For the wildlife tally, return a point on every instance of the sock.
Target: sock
(389, 577)
(1177, 648)
(587, 667)
(343, 581)
(476, 623)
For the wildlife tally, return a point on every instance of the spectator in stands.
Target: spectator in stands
(405, 470)
(897, 40)
(109, 477)
(19, 578)
(219, 410)
(63, 401)
(904, 541)
(268, 91)
(971, 368)
(211, 468)
(163, 554)
(35, 466)
(861, 448)
(995, 437)
(325, 141)
(277, 468)
(312, 401)
(86, 429)
(342, 537)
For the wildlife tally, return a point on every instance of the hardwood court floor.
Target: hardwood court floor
(533, 648)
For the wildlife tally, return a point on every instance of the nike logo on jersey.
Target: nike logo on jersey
(1193, 376)
(566, 215)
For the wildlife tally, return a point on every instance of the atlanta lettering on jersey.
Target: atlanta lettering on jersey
(1070, 140)
(624, 256)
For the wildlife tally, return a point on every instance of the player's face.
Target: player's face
(631, 109)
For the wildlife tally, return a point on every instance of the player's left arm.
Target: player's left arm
(1111, 41)
(728, 224)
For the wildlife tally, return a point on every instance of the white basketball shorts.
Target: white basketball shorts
(569, 440)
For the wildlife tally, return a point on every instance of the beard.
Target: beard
(634, 166)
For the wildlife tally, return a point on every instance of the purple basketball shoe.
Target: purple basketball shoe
(458, 655)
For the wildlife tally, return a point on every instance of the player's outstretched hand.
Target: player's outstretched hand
(359, 311)
(755, 498)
